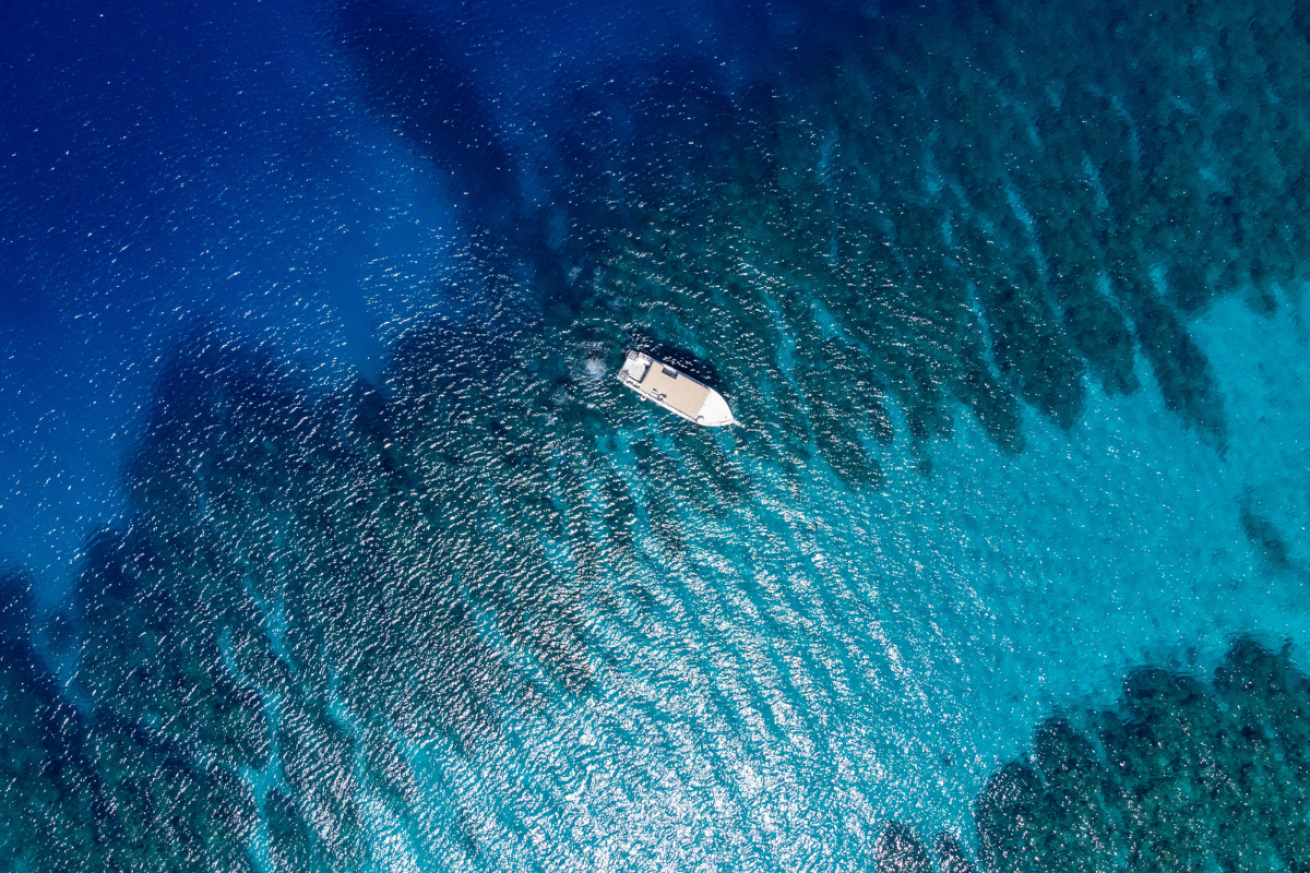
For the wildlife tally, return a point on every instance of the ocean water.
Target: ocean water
(330, 542)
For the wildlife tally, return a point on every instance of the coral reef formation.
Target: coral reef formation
(1180, 776)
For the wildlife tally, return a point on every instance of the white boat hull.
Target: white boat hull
(674, 390)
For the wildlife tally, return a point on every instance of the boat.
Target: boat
(667, 386)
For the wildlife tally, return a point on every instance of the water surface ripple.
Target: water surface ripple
(1005, 571)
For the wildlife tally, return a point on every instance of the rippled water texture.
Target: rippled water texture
(1006, 571)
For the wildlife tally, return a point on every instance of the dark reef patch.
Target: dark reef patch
(311, 581)
(1265, 537)
(978, 203)
(98, 793)
(1180, 776)
(899, 851)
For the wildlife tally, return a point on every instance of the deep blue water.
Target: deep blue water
(329, 542)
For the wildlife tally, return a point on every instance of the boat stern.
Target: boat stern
(634, 370)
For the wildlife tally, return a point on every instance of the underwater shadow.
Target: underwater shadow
(418, 88)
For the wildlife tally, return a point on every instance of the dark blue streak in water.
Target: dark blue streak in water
(399, 578)
(414, 85)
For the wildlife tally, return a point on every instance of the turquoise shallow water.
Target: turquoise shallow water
(1007, 570)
